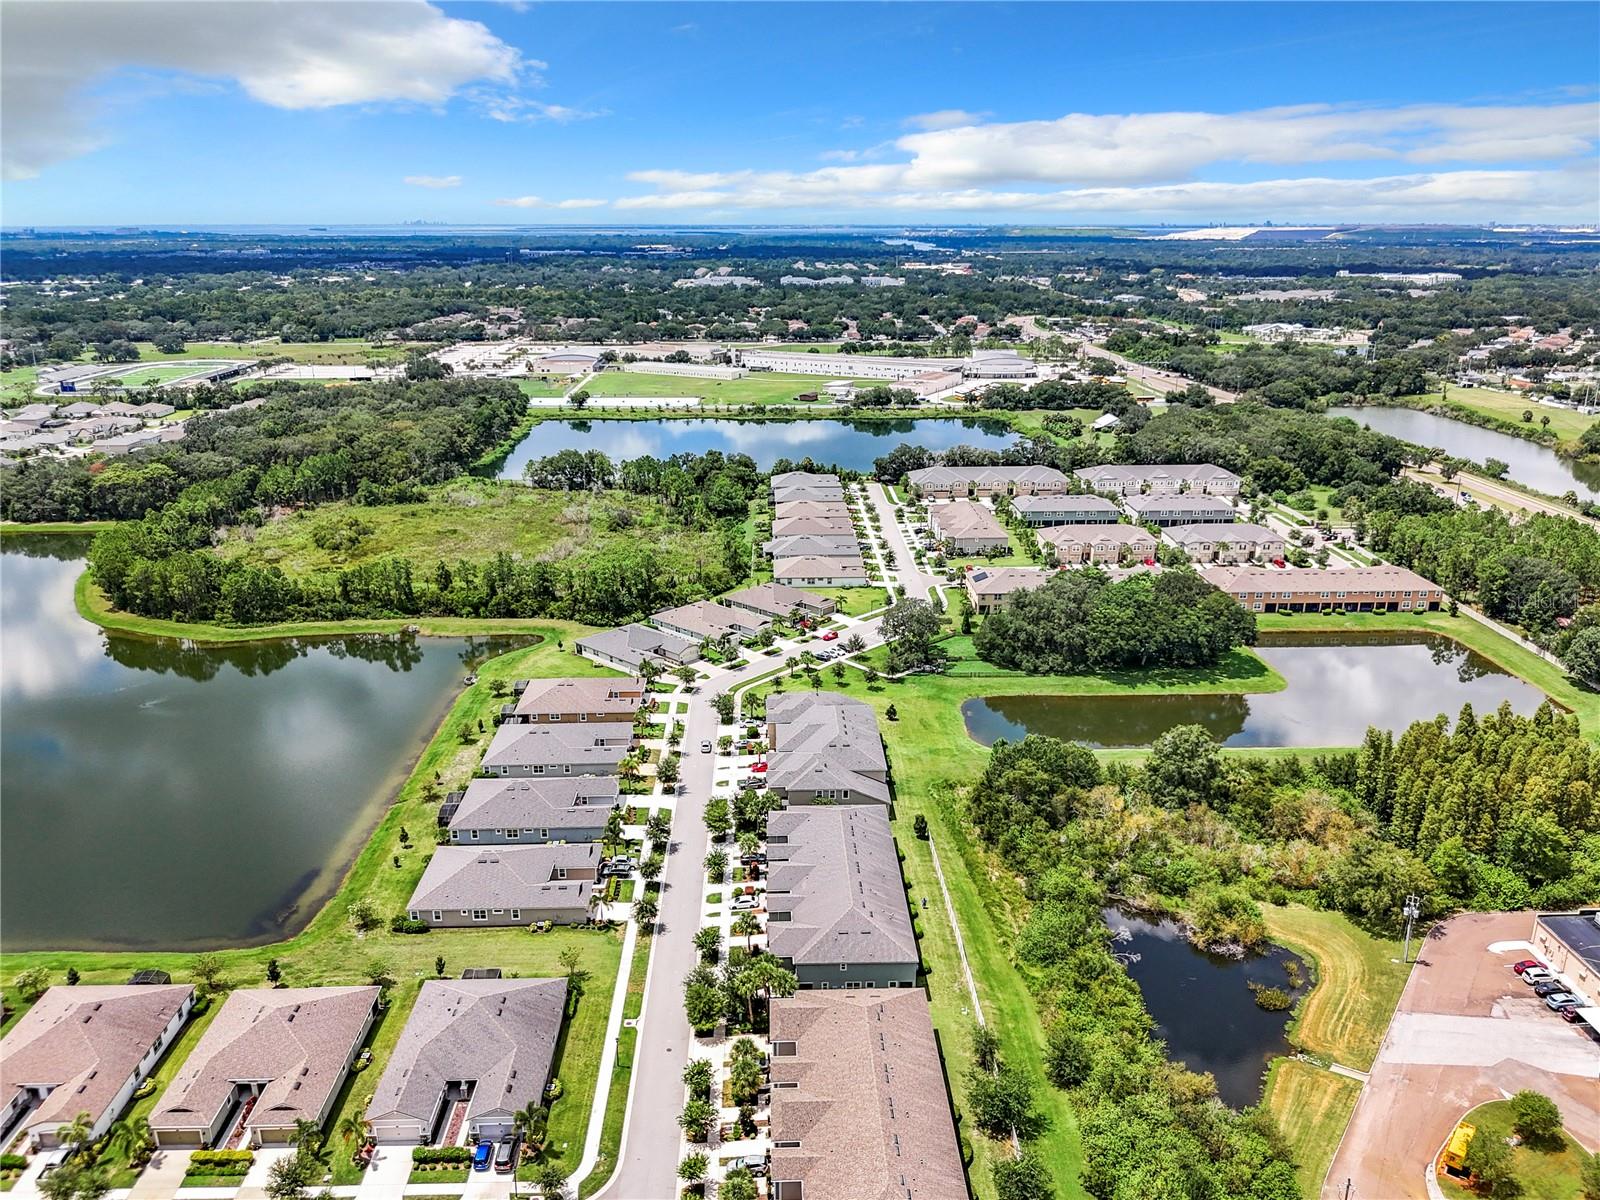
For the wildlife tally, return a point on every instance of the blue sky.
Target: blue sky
(884, 113)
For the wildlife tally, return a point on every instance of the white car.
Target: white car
(705, 746)
(1534, 976)
(745, 903)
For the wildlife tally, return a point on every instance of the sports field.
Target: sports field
(763, 388)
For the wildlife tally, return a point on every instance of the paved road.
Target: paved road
(1496, 493)
(1158, 381)
(917, 582)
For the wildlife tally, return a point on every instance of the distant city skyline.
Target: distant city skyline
(733, 114)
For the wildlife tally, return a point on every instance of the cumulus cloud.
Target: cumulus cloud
(290, 56)
(541, 202)
(1507, 158)
(434, 181)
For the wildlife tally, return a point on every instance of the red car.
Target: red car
(831, 636)
(1522, 966)
(759, 768)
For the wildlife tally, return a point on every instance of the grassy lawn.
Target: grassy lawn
(621, 1073)
(18, 529)
(331, 951)
(760, 388)
(1359, 980)
(543, 389)
(1509, 406)
(471, 519)
(17, 384)
(854, 601)
(1312, 1106)
(145, 376)
(1545, 1173)
(339, 352)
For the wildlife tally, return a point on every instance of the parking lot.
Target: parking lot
(1467, 1030)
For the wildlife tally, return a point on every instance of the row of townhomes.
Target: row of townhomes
(858, 1089)
(814, 541)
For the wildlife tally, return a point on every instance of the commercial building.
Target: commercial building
(475, 1049)
(826, 749)
(1570, 943)
(778, 601)
(571, 808)
(944, 483)
(1160, 479)
(860, 1110)
(630, 645)
(836, 902)
(1066, 509)
(1227, 543)
(1070, 544)
(270, 1058)
(706, 619)
(967, 527)
(1305, 589)
(84, 1049)
(523, 751)
(811, 571)
(552, 701)
(990, 587)
(463, 886)
(1180, 508)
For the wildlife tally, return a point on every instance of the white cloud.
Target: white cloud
(290, 56)
(510, 107)
(434, 181)
(541, 202)
(1150, 163)
(945, 118)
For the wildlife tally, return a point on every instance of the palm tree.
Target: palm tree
(613, 834)
(746, 926)
(77, 1132)
(770, 978)
(644, 912)
(307, 1137)
(532, 1123)
(353, 1127)
(133, 1137)
(552, 1182)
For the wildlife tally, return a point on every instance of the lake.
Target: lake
(1531, 464)
(853, 445)
(160, 794)
(1202, 1004)
(1338, 685)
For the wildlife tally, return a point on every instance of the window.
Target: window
(566, 769)
(480, 914)
(516, 914)
(583, 716)
(412, 915)
(561, 872)
(554, 717)
(844, 966)
(536, 770)
(437, 915)
(499, 912)
(474, 835)
(513, 834)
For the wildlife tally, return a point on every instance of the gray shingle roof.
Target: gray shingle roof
(542, 803)
(809, 566)
(465, 877)
(825, 735)
(946, 476)
(1065, 503)
(1180, 502)
(838, 876)
(825, 545)
(599, 744)
(499, 1034)
(1240, 534)
(634, 643)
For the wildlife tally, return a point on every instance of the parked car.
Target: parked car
(831, 636)
(756, 1164)
(482, 1153)
(753, 859)
(618, 866)
(505, 1155)
(759, 768)
(1525, 964)
(745, 903)
(1537, 975)
(753, 781)
(1549, 989)
(1556, 1001)
(1569, 1014)
(705, 746)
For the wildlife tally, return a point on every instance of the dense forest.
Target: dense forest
(1082, 621)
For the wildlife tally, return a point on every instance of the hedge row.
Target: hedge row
(432, 1155)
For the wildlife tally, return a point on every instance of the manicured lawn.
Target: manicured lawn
(759, 388)
(16, 529)
(1509, 406)
(1359, 980)
(331, 951)
(1545, 1172)
(17, 384)
(145, 376)
(621, 1073)
(1312, 1106)
(471, 519)
(855, 601)
(339, 352)
(543, 389)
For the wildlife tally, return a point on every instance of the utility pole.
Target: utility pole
(1411, 911)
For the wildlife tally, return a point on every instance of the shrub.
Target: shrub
(400, 923)
(1272, 999)
(430, 1156)
(220, 1162)
(1535, 1116)
(13, 1162)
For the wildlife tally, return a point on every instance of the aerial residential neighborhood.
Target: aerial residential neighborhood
(772, 602)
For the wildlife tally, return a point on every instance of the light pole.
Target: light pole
(1411, 911)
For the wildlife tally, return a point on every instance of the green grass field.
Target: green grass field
(471, 519)
(1545, 1172)
(762, 388)
(1509, 406)
(543, 389)
(1313, 1107)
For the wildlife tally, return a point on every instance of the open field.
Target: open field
(1312, 1106)
(1552, 1172)
(471, 519)
(543, 389)
(1359, 979)
(331, 951)
(761, 388)
(1506, 406)
(339, 352)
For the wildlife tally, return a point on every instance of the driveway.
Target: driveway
(1467, 1031)
(388, 1173)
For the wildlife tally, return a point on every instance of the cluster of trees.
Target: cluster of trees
(1504, 810)
(1056, 393)
(375, 443)
(699, 488)
(1085, 621)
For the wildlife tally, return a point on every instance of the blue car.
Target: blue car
(482, 1153)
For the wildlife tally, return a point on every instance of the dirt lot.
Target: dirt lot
(1467, 1031)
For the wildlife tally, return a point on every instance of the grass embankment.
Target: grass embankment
(17, 529)
(1546, 1172)
(621, 1074)
(1342, 1019)
(331, 951)
(1506, 407)
(471, 519)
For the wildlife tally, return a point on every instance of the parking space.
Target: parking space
(1467, 1030)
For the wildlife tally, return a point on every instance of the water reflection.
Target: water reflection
(156, 792)
(849, 444)
(1339, 684)
(1530, 463)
